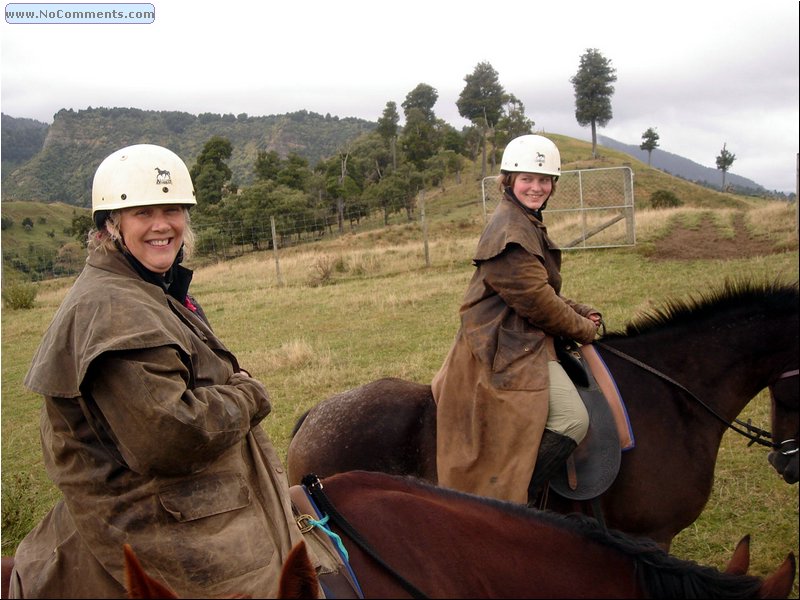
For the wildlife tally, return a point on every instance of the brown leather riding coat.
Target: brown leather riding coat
(492, 390)
(151, 432)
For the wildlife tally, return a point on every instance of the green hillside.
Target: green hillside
(78, 141)
(48, 248)
(37, 237)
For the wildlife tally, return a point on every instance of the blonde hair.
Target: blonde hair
(105, 239)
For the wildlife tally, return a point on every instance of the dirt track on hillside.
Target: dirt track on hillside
(706, 242)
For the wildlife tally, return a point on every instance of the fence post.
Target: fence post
(275, 251)
(797, 195)
(629, 210)
(424, 227)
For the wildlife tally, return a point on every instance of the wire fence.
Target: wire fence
(593, 208)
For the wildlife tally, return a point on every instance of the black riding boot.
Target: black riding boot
(554, 450)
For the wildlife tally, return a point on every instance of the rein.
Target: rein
(314, 487)
(751, 432)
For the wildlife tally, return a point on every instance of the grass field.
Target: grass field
(366, 306)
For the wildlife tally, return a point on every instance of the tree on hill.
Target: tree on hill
(649, 142)
(80, 226)
(422, 97)
(513, 123)
(420, 139)
(268, 165)
(593, 91)
(387, 128)
(724, 162)
(295, 173)
(210, 174)
(481, 102)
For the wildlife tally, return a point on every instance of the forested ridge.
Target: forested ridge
(56, 163)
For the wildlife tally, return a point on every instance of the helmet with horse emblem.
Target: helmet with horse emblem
(140, 175)
(531, 154)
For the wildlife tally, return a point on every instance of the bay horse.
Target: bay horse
(425, 541)
(406, 537)
(684, 372)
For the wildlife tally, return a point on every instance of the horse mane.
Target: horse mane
(743, 295)
(661, 574)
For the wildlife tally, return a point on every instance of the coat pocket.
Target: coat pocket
(204, 497)
(520, 362)
(222, 529)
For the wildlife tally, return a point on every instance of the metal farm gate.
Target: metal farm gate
(592, 208)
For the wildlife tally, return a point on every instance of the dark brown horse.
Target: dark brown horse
(422, 541)
(684, 372)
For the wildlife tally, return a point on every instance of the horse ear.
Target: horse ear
(779, 584)
(740, 561)
(298, 578)
(139, 583)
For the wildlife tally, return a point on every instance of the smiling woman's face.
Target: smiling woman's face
(153, 234)
(532, 189)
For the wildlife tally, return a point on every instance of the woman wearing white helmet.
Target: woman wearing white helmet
(502, 397)
(150, 428)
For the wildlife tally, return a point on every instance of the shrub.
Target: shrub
(19, 295)
(324, 267)
(664, 199)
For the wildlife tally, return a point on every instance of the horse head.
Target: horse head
(777, 584)
(784, 394)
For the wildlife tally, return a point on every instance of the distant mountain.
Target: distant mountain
(21, 139)
(56, 163)
(685, 168)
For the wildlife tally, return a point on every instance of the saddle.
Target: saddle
(593, 466)
(336, 578)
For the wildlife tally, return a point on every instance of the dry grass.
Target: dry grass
(383, 312)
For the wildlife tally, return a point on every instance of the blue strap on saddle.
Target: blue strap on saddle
(321, 523)
(334, 536)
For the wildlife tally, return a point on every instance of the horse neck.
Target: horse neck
(722, 363)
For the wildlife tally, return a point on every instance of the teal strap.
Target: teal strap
(335, 537)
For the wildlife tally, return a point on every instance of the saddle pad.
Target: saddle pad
(606, 383)
(594, 464)
(335, 575)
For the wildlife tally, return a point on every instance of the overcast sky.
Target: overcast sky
(702, 73)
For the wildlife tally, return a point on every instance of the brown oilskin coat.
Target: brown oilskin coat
(492, 390)
(152, 434)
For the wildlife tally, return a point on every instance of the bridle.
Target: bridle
(790, 446)
(751, 432)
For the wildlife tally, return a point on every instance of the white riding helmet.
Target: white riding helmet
(531, 154)
(141, 175)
